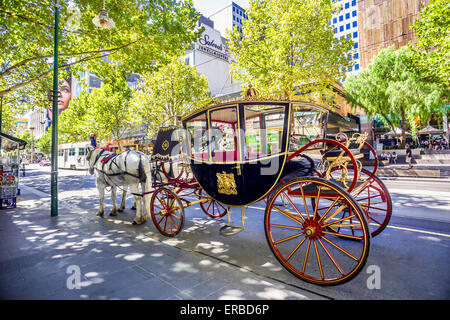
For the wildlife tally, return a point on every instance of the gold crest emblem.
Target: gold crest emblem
(165, 145)
(226, 183)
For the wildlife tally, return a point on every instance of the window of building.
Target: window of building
(347, 5)
(355, 34)
(350, 68)
(356, 66)
(353, 3)
(341, 28)
(355, 24)
(354, 13)
(347, 26)
(356, 45)
(341, 18)
(334, 20)
(347, 16)
(356, 57)
(335, 30)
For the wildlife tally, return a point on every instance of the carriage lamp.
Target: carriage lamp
(103, 20)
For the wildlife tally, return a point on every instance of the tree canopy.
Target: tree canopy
(289, 45)
(146, 32)
(393, 88)
(433, 41)
(105, 112)
(170, 92)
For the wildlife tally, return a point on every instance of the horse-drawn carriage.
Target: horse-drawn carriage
(322, 206)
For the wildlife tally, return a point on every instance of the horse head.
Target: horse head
(91, 158)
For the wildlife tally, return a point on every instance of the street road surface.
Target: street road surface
(412, 255)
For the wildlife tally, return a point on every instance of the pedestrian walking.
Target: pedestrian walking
(409, 156)
(93, 140)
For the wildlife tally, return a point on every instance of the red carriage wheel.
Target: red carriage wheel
(211, 207)
(373, 197)
(298, 234)
(167, 212)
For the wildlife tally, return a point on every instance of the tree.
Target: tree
(288, 46)
(146, 32)
(432, 50)
(170, 92)
(105, 112)
(45, 143)
(26, 136)
(393, 88)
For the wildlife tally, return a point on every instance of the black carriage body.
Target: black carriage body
(238, 151)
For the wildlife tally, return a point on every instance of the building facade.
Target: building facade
(211, 58)
(383, 23)
(229, 17)
(345, 24)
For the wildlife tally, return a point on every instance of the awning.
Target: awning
(10, 143)
(347, 124)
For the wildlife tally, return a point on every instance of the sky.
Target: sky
(208, 7)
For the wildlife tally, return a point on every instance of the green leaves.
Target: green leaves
(170, 92)
(105, 112)
(393, 88)
(146, 32)
(432, 52)
(288, 45)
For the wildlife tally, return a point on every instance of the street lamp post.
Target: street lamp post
(104, 22)
(32, 144)
(54, 159)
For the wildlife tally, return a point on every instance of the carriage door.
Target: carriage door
(265, 147)
(225, 155)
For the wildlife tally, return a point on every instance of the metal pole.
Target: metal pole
(54, 169)
(1, 112)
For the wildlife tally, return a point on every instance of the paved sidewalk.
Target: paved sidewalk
(40, 257)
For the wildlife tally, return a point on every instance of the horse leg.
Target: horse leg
(140, 218)
(101, 194)
(113, 212)
(124, 198)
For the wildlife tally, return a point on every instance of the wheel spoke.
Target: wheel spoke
(318, 259)
(342, 225)
(289, 238)
(290, 201)
(340, 248)
(287, 214)
(306, 256)
(332, 259)
(296, 248)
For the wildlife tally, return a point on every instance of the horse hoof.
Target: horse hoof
(134, 223)
(120, 210)
(100, 214)
(113, 213)
(133, 208)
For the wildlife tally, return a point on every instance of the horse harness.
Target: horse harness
(111, 159)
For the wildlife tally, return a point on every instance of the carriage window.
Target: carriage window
(82, 151)
(198, 137)
(71, 151)
(223, 135)
(308, 125)
(264, 130)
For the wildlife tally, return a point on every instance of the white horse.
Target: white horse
(128, 169)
